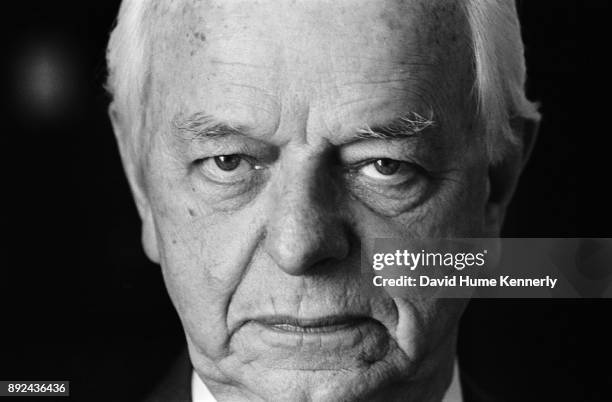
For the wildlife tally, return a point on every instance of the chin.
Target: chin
(378, 381)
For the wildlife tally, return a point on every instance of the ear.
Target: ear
(133, 171)
(504, 174)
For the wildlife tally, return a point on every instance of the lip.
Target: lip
(303, 326)
(319, 343)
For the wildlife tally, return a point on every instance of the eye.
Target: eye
(227, 169)
(387, 171)
(227, 162)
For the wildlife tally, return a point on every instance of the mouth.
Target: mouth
(321, 325)
(327, 342)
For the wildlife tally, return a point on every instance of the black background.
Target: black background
(79, 300)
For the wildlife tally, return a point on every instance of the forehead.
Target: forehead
(345, 63)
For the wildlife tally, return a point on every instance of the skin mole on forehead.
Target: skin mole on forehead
(181, 23)
(200, 36)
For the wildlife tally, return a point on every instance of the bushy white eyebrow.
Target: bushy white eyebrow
(407, 125)
(201, 125)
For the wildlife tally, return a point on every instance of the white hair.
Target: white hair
(498, 59)
(499, 63)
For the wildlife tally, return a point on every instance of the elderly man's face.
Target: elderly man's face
(262, 179)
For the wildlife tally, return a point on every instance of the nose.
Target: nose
(305, 229)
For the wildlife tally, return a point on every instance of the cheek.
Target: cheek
(456, 210)
(198, 297)
(203, 256)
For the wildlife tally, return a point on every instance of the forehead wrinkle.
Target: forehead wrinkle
(384, 71)
(216, 61)
(415, 96)
(418, 88)
(268, 94)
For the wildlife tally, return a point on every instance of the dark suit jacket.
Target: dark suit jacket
(176, 384)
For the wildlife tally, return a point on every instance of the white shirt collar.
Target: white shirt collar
(453, 393)
(201, 393)
(199, 390)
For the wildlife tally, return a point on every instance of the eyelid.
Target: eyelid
(354, 167)
(247, 158)
(255, 164)
(243, 147)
